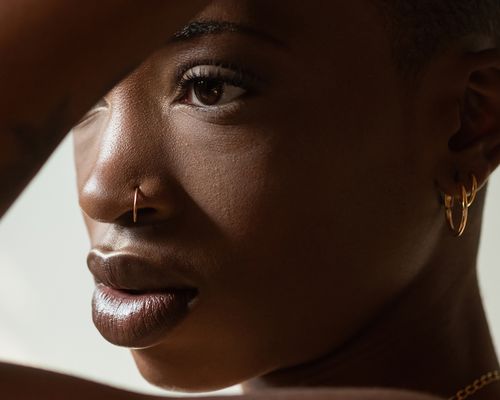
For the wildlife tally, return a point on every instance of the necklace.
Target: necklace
(477, 385)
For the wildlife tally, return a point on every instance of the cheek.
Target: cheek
(319, 253)
(227, 171)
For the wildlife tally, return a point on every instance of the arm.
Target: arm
(57, 58)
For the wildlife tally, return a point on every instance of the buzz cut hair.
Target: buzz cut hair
(421, 29)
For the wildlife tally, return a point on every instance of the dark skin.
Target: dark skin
(305, 200)
(39, 105)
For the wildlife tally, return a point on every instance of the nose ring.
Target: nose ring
(135, 204)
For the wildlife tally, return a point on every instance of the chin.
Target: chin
(183, 376)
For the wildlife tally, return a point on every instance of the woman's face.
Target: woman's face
(277, 161)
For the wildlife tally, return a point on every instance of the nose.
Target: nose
(125, 172)
(105, 199)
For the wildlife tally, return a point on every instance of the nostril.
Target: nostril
(155, 201)
(146, 214)
(146, 211)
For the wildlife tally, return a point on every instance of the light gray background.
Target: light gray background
(45, 287)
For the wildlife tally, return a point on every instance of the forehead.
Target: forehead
(318, 25)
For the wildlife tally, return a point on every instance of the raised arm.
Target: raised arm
(57, 57)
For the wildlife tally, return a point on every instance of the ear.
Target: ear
(475, 147)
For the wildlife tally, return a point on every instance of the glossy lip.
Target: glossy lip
(138, 320)
(129, 271)
(136, 302)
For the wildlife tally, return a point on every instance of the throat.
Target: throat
(433, 339)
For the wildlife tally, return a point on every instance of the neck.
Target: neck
(434, 338)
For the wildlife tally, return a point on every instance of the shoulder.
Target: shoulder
(337, 394)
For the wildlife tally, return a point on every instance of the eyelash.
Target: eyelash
(238, 77)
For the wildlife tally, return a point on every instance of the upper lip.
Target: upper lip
(129, 271)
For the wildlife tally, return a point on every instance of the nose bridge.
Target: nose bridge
(126, 140)
(130, 155)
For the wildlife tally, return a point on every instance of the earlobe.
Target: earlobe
(475, 148)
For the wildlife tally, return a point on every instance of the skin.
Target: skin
(40, 104)
(307, 211)
(49, 385)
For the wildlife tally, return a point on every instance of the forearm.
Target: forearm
(57, 57)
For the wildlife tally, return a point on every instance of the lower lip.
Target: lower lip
(138, 320)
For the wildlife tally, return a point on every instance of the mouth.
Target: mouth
(136, 303)
(138, 320)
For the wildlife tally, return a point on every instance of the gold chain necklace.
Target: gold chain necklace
(477, 385)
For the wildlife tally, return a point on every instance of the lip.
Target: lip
(136, 302)
(138, 320)
(129, 271)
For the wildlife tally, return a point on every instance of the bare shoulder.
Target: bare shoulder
(337, 394)
(25, 383)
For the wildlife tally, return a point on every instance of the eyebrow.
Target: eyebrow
(201, 28)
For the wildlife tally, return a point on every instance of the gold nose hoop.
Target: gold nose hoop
(136, 195)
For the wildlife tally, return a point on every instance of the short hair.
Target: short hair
(420, 29)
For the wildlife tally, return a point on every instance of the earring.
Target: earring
(465, 202)
(473, 190)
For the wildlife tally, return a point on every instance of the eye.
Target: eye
(211, 86)
(211, 92)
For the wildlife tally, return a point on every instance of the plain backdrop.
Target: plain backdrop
(45, 287)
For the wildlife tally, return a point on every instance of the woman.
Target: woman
(285, 195)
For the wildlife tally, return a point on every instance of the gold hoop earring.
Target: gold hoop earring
(466, 201)
(472, 197)
(134, 212)
(449, 203)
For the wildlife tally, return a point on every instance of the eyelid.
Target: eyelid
(213, 72)
(182, 69)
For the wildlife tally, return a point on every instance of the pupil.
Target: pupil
(208, 92)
